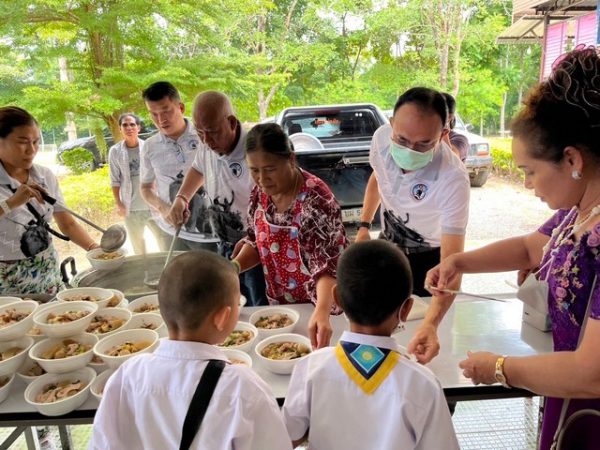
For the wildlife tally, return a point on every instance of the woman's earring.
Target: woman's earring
(576, 175)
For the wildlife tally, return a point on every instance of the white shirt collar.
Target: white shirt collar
(188, 350)
(189, 131)
(369, 339)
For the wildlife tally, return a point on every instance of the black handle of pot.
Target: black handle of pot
(63, 269)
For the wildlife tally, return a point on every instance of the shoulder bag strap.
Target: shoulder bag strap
(34, 212)
(565, 406)
(200, 400)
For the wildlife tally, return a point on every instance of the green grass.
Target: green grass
(90, 195)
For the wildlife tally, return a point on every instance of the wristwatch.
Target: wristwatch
(366, 225)
(499, 374)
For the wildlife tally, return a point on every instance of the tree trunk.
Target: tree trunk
(502, 114)
(265, 101)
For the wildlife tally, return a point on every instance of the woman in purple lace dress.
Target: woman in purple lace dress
(556, 142)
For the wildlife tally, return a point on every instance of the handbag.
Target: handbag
(200, 400)
(578, 431)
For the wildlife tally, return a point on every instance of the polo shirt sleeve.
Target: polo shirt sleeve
(296, 408)
(454, 204)
(375, 158)
(54, 190)
(250, 238)
(322, 236)
(199, 163)
(114, 166)
(438, 431)
(147, 174)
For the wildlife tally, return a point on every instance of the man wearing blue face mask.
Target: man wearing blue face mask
(423, 190)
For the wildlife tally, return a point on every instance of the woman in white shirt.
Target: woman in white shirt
(28, 261)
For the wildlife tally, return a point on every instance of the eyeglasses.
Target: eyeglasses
(417, 147)
(203, 134)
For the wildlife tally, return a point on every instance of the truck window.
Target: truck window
(332, 124)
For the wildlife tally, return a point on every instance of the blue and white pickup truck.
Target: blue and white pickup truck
(333, 142)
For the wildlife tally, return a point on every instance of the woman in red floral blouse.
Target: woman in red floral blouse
(295, 229)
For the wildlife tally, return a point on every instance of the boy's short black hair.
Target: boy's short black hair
(159, 90)
(373, 280)
(194, 285)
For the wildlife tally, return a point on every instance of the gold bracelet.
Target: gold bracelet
(236, 265)
(183, 197)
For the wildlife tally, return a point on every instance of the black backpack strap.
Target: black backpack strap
(200, 400)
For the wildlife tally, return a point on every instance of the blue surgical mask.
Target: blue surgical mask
(408, 159)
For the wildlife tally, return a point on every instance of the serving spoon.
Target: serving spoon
(153, 283)
(112, 238)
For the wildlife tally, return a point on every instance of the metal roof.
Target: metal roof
(526, 29)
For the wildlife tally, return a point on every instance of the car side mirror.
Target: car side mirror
(469, 127)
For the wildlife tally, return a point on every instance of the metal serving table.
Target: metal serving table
(468, 325)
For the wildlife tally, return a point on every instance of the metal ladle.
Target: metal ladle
(113, 237)
(153, 283)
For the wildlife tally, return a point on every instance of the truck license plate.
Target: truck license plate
(351, 215)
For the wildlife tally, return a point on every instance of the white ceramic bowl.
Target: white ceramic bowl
(101, 295)
(12, 364)
(39, 336)
(246, 346)
(106, 264)
(138, 303)
(117, 300)
(270, 310)
(69, 328)
(142, 320)
(98, 384)
(28, 365)
(18, 329)
(121, 337)
(66, 405)
(238, 355)
(99, 367)
(117, 313)
(281, 366)
(5, 390)
(63, 365)
(7, 300)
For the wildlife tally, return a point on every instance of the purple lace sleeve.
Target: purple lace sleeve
(553, 222)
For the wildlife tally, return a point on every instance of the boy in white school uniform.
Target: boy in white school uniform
(383, 399)
(146, 400)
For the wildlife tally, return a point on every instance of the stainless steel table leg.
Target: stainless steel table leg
(65, 437)
(12, 437)
(31, 438)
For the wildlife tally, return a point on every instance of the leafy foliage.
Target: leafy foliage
(78, 160)
(265, 54)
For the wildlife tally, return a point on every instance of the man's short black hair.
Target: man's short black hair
(193, 286)
(159, 90)
(373, 280)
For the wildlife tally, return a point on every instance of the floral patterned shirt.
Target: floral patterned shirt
(570, 277)
(322, 236)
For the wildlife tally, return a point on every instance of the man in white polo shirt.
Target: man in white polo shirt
(424, 194)
(220, 168)
(166, 158)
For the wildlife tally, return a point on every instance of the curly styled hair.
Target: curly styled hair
(563, 110)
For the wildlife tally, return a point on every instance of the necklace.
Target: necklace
(579, 223)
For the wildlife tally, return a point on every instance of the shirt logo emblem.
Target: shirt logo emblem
(236, 169)
(419, 191)
(193, 144)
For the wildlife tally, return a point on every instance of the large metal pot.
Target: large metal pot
(128, 278)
